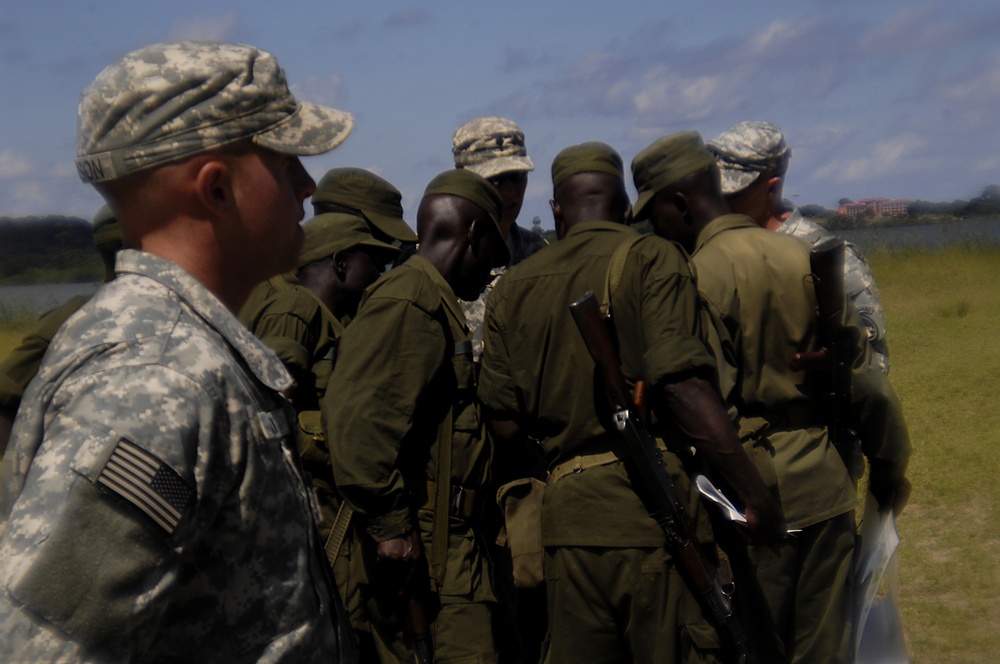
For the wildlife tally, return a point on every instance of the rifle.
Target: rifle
(417, 625)
(833, 359)
(652, 482)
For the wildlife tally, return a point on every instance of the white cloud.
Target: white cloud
(14, 165)
(217, 28)
(889, 156)
(668, 92)
(329, 90)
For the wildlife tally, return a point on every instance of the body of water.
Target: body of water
(41, 297)
(966, 233)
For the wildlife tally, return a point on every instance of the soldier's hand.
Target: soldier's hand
(765, 522)
(403, 548)
(887, 483)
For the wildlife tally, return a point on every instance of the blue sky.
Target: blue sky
(891, 98)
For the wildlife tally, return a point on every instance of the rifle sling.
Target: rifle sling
(338, 532)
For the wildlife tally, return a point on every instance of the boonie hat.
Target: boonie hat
(172, 100)
(372, 196)
(664, 162)
(328, 234)
(746, 150)
(489, 146)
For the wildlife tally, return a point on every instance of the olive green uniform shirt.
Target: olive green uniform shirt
(537, 371)
(757, 286)
(22, 363)
(404, 366)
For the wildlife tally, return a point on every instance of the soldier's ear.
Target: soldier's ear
(339, 261)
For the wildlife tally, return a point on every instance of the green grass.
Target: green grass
(943, 313)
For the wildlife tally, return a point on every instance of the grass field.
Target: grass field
(943, 312)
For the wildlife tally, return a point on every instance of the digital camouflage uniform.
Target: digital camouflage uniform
(153, 507)
(859, 282)
(614, 595)
(756, 284)
(404, 373)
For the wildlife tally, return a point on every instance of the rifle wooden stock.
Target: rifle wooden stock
(652, 483)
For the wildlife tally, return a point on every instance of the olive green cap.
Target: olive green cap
(170, 101)
(592, 157)
(328, 234)
(664, 162)
(465, 184)
(106, 228)
(371, 195)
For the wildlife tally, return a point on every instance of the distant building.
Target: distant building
(874, 207)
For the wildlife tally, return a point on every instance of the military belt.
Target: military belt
(578, 464)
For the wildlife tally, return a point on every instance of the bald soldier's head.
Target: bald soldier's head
(588, 184)
(458, 223)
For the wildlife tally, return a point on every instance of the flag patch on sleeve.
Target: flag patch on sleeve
(151, 485)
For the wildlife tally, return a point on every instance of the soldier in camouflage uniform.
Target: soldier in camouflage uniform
(406, 441)
(493, 147)
(22, 363)
(753, 159)
(153, 507)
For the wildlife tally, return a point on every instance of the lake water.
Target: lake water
(975, 232)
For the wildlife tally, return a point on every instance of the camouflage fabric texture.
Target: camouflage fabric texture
(152, 458)
(746, 150)
(172, 100)
(489, 146)
(859, 282)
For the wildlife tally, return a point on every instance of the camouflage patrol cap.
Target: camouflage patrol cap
(106, 227)
(586, 158)
(369, 194)
(489, 146)
(466, 184)
(664, 162)
(746, 150)
(169, 101)
(328, 234)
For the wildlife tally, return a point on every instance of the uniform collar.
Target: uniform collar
(593, 226)
(418, 262)
(260, 359)
(726, 222)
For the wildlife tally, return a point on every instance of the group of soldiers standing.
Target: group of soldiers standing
(346, 441)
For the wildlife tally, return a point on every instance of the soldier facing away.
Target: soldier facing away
(757, 286)
(152, 456)
(753, 160)
(614, 594)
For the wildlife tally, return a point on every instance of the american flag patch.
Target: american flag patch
(148, 483)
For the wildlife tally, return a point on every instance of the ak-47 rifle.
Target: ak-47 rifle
(653, 484)
(837, 343)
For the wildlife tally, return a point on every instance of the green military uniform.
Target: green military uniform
(613, 593)
(404, 379)
(756, 283)
(299, 328)
(22, 363)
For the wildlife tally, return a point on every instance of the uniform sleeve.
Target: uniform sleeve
(125, 480)
(290, 336)
(388, 356)
(497, 389)
(670, 319)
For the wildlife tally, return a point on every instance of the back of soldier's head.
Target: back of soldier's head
(678, 161)
(588, 184)
(748, 150)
